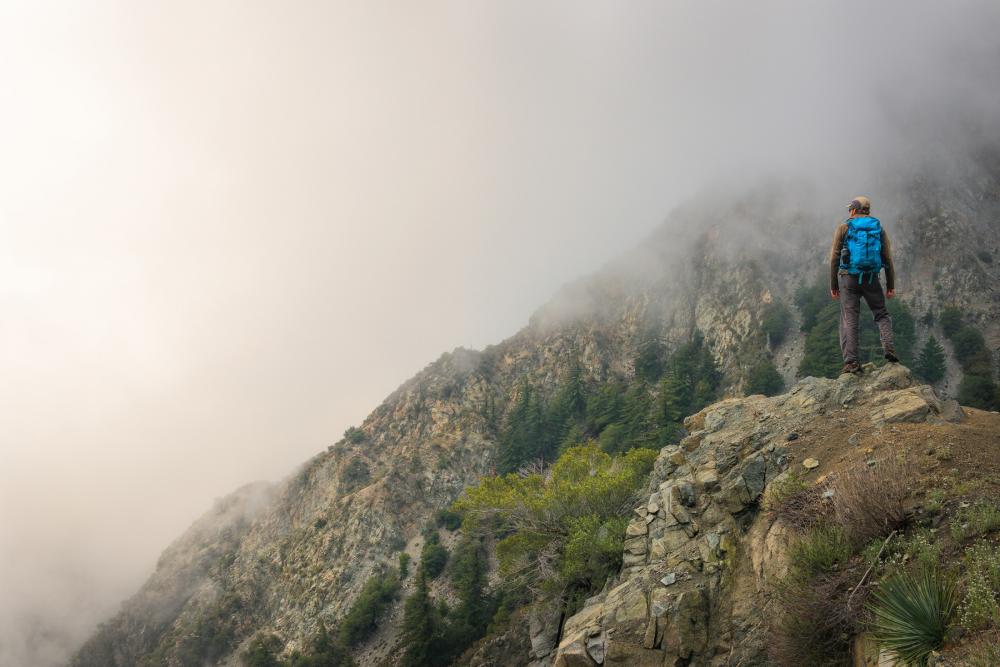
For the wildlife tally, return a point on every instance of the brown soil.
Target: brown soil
(966, 453)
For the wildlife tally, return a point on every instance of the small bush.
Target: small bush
(920, 550)
(354, 435)
(911, 614)
(975, 520)
(980, 605)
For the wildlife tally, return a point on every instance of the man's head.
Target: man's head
(860, 205)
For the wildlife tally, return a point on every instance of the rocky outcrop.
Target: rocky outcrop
(699, 551)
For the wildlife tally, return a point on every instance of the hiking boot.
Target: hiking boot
(851, 367)
(891, 357)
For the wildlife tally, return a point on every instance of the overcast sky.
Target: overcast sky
(229, 229)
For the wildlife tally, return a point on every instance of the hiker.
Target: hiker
(860, 251)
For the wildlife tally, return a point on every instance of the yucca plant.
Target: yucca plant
(911, 614)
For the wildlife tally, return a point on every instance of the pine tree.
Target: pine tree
(931, 363)
(676, 394)
(419, 626)
(822, 356)
(765, 379)
(567, 408)
(775, 321)
(525, 436)
(636, 416)
(604, 407)
(650, 357)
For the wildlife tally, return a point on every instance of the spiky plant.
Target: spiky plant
(911, 614)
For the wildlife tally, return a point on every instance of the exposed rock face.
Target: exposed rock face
(304, 555)
(699, 551)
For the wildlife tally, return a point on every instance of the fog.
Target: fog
(229, 229)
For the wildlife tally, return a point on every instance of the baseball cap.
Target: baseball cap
(860, 203)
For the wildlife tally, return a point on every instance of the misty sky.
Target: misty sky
(229, 229)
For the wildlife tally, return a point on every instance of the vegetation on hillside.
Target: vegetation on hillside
(562, 532)
(858, 564)
(434, 635)
(620, 415)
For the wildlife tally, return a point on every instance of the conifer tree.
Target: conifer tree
(636, 416)
(567, 408)
(419, 626)
(931, 363)
(650, 356)
(604, 407)
(524, 437)
(765, 379)
(675, 397)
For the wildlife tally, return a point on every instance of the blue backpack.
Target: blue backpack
(862, 251)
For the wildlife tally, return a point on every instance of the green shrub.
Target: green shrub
(911, 613)
(540, 516)
(362, 618)
(433, 555)
(354, 435)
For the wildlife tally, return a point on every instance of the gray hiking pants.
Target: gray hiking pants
(851, 294)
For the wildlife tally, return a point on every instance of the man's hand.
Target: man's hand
(835, 293)
(889, 293)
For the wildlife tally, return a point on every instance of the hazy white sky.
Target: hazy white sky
(229, 229)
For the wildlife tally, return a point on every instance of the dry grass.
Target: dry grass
(868, 500)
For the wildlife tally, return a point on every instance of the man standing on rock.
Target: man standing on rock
(860, 251)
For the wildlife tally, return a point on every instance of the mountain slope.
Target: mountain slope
(303, 553)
